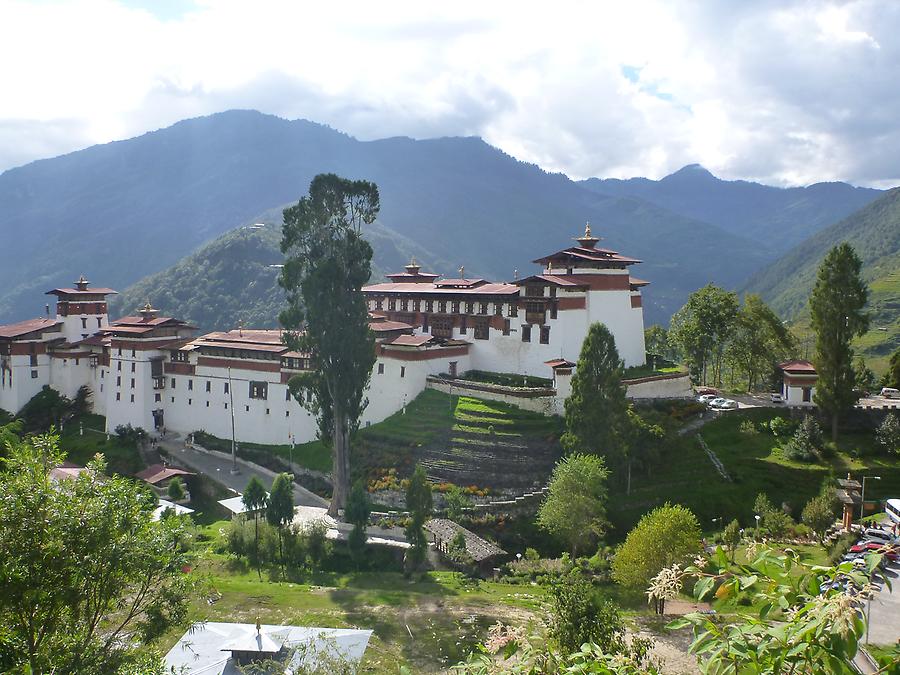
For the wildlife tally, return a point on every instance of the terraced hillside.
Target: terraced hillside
(465, 441)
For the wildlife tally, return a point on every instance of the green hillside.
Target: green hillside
(232, 278)
(123, 211)
(874, 231)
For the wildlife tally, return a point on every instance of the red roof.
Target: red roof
(559, 363)
(75, 291)
(798, 366)
(554, 279)
(459, 283)
(386, 326)
(24, 327)
(411, 340)
(97, 340)
(431, 289)
(67, 470)
(155, 473)
(596, 255)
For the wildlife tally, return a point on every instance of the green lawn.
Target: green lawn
(82, 442)
(427, 624)
(686, 476)
(636, 372)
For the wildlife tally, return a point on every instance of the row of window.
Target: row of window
(441, 306)
(381, 370)
(158, 399)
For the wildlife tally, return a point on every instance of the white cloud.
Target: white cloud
(773, 91)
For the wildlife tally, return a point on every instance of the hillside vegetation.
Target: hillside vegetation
(775, 218)
(233, 278)
(874, 232)
(126, 210)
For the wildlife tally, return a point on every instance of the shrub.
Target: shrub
(805, 443)
(888, 434)
(781, 427)
(748, 428)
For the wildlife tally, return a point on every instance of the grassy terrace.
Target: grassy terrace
(685, 474)
(455, 437)
(637, 372)
(426, 624)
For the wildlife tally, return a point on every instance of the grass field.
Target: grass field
(426, 624)
(82, 442)
(457, 438)
(686, 476)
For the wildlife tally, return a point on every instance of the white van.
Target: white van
(890, 392)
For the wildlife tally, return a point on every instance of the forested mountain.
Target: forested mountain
(125, 210)
(874, 231)
(777, 218)
(235, 278)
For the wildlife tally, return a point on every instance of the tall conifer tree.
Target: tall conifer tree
(596, 410)
(327, 262)
(836, 306)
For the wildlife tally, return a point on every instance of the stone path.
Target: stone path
(714, 459)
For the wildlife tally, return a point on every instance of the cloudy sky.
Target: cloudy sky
(781, 92)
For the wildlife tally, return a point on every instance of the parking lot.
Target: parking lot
(884, 610)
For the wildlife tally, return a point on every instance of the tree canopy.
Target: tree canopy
(419, 503)
(836, 309)
(574, 510)
(327, 262)
(596, 410)
(701, 330)
(758, 342)
(665, 536)
(87, 575)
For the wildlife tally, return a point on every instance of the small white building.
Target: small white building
(799, 379)
(214, 648)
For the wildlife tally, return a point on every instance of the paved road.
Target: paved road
(217, 466)
(884, 613)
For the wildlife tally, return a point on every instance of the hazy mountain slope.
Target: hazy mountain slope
(122, 211)
(232, 278)
(779, 218)
(874, 231)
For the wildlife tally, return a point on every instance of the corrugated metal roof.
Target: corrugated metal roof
(24, 327)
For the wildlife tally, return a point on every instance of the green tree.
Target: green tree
(327, 262)
(892, 376)
(656, 341)
(419, 503)
(457, 502)
(759, 341)
(818, 515)
(254, 500)
(89, 579)
(667, 535)
(888, 434)
(792, 627)
(596, 410)
(642, 443)
(176, 489)
(358, 510)
(579, 615)
(836, 309)
(701, 330)
(574, 510)
(864, 377)
(280, 509)
(731, 538)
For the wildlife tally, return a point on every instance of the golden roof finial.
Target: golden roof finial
(515, 275)
(462, 272)
(587, 229)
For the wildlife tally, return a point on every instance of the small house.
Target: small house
(799, 379)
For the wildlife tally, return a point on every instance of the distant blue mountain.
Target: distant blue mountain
(778, 218)
(125, 210)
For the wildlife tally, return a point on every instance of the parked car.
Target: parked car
(875, 547)
(716, 402)
(728, 404)
(702, 391)
(877, 533)
(776, 398)
(890, 392)
(706, 398)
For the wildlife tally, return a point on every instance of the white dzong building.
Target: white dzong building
(151, 371)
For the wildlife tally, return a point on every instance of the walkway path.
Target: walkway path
(217, 465)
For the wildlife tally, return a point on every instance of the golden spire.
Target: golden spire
(462, 272)
(587, 240)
